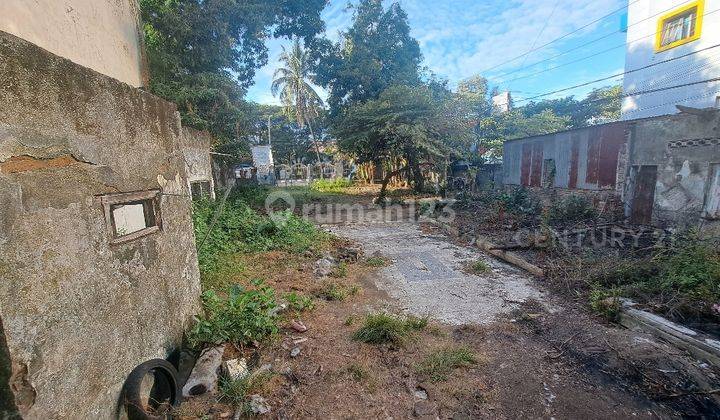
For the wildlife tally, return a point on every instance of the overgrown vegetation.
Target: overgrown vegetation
(384, 328)
(438, 365)
(242, 229)
(242, 316)
(682, 281)
(571, 209)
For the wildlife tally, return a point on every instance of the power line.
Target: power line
(587, 57)
(547, 21)
(561, 37)
(623, 73)
(581, 46)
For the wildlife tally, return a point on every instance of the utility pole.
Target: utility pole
(269, 138)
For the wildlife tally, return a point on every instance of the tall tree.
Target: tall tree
(375, 53)
(406, 122)
(292, 82)
(203, 53)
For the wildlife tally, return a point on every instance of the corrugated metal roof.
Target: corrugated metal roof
(262, 156)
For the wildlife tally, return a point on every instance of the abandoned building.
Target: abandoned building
(97, 251)
(674, 171)
(586, 161)
(663, 171)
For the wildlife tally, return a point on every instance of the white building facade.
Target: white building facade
(671, 43)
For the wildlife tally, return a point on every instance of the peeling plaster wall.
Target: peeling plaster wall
(684, 148)
(196, 152)
(78, 313)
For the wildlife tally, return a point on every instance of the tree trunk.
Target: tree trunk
(386, 181)
(317, 148)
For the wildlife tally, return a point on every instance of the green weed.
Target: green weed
(237, 392)
(388, 329)
(243, 316)
(480, 267)
(299, 303)
(438, 365)
(376, 262)
(571, 209)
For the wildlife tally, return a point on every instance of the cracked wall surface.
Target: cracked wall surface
(78, 313)
(685, 150)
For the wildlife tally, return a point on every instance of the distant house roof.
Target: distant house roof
(262, 156)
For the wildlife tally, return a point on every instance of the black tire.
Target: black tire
(165, 388)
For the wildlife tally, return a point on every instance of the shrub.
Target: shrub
(518, 201)
(337, 185)
(571, 209)
(438, 365)
(243, 316)
(388, 329)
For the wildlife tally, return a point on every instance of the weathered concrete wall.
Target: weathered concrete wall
(196, 151)
(103, 35)
(685, 149)
(79, 313)
(581, 159)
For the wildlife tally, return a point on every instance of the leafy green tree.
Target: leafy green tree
(203, 54)
(405, 122)
(292, 82)
(375, 53)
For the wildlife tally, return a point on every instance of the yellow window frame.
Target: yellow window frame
(700, 5)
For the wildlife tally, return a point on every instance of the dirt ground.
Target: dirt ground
(538, 355)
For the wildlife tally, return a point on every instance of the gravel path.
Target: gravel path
(428, 274)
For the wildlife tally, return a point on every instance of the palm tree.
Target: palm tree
(298, 97)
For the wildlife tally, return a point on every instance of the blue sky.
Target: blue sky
(461, 38)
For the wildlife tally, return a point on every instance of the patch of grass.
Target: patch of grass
(241, 317)
(479, 267)
(384, 328)
(340, 271)
(438, 365)
(376, 262)
(299, 303)
(333, 291)
(337, 185)
(349, 321)
(606, 303)
(237, 392)
(240, 229)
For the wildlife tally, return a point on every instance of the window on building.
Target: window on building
(200, 189)
(129, 216)
(680, 26)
